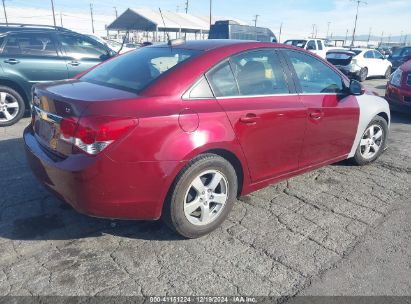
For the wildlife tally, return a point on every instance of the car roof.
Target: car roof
(210, 44)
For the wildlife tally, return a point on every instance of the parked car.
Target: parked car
(400, 56)
(31, 54)
(317, 46)
(229, 29)
(115, 46)
(360, 63)
(179, 131)
(398, 91)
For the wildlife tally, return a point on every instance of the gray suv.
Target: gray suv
(31, 54)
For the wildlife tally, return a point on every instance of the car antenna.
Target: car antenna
(164, 23)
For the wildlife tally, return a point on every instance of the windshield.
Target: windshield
(135, 70)
(298, 43)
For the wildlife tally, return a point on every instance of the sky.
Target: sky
(297, 16)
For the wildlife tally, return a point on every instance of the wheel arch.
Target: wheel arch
(18, 88)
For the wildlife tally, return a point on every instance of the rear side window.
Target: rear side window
(320, 44)
(311, 45)
(135, 70)
(369, 54)
(30, 44)
(222, 80)
(259, 73)
(80, 47)
(314, 76)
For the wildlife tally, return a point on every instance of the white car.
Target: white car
(360, 63)
(316, 46)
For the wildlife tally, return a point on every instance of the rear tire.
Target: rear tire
(201, 197)
(372, 143)
(11, 106)
(363, 74)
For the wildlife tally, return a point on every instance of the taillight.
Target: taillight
(92, 134)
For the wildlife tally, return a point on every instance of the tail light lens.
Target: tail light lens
(92, 134)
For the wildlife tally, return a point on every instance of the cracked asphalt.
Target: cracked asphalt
(287, 239)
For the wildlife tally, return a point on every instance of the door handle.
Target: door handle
(250, 119)
(74, 63)
(12, 61)
(316, 115)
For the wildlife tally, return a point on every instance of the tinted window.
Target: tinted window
(378, 55)
(314, 76)
(406, 52)
(369, 54)
(134, 70)
(30, 44)
(222, 80)
(311, 45)
(80, 47)
(201, 90)
(320, 44)
(259, 73)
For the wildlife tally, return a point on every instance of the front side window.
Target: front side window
(314, 76)
(135, 70)
(259, 73)
(30, 44)
(222, 80)
(80, 47)
(378, 55)
(369, 55)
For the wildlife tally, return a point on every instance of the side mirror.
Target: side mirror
(355, 88)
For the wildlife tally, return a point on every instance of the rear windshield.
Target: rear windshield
(133, 71)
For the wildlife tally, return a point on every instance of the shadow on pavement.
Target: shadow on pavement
(400, 117)
(29, 212)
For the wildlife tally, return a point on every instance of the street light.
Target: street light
(356, 18)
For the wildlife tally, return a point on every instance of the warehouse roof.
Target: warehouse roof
(151, 20)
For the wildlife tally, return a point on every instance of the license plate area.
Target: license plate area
(47, 128)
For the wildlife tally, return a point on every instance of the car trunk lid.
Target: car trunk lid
(340, 58)
(59, 102)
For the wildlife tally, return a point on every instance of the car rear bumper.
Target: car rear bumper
(346, 70)
(101, 187)
(399, 99)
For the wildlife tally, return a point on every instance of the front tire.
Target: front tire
(11, 106)
(387, 73)
(372, 143)
(202, 196)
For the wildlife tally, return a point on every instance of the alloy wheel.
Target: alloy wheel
(9, 107)
(371, 141)
(206, 197)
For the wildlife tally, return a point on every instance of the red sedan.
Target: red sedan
(398, 91)
(179, 131)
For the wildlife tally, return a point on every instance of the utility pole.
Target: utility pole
(281, 29)
(5, 14)
(211, 7)
(115, 11)
(255, 20)
(92, 18)
(316, 31)
(328, 29)
(382, 37)
(54, 15)
(61, 19)
(186, 6)
(405, 39)
(401, 36)
(356, 18)
(346, 37)
(312, 34)
(369, 36)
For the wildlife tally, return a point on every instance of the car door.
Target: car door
(32, 57)
(311, 46)
(82, 52)
(381, 64)
(332, 116)
(268, 120)
(371, 63)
